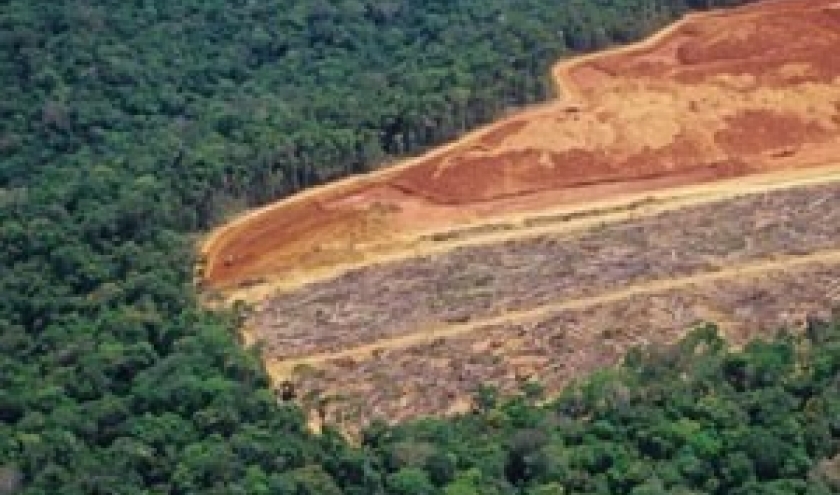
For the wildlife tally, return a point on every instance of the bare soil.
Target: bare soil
(714, 96)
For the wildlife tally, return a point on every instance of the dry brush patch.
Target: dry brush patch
(440, 376)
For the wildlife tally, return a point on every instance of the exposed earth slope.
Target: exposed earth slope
(692, 177)
(716, 95)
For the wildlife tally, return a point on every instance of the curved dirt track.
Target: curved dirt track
(715, 96)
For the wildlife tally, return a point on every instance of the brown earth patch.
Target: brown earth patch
(753, 131)
(496, 136)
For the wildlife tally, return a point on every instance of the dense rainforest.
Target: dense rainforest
(126, 127)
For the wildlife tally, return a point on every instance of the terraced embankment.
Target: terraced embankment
(692, 177)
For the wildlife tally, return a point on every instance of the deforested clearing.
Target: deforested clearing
(496, 313)
(688, 178)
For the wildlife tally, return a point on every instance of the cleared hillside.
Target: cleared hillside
(715, 96)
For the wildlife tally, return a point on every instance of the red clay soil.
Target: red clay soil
(716, 95)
